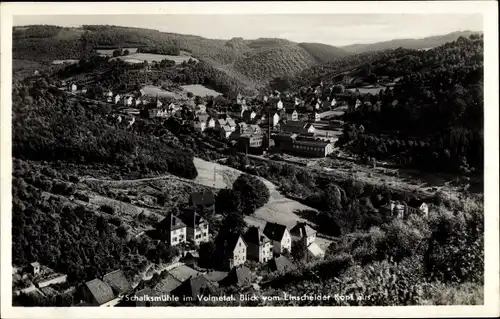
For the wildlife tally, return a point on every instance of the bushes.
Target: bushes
(108, 209)
(456, 248)
(252, 192)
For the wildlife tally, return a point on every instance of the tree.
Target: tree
(280, 84)
(206, 252)
(126, 52)
(298, 250)
(116, 53)
(234, 223)
(253, 192)
(227, 201)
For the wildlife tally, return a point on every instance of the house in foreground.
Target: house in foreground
(194, 287)
(303, 232)
(234, 251)
(197, 227)
(279, 236)
(118, 282)
(313, 251)
(238, 276)
(281, 264)
(259, 247)
(203, 202)
(97, 293)
(173, 229)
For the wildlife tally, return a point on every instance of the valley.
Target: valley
(160, 161)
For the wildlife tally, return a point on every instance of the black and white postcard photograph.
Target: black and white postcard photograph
(280, 159)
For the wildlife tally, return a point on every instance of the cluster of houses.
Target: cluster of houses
(247, 127)
(36, 278)
(274, 241)
(403, 210)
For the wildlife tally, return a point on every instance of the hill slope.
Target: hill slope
(323, 52)
(253, 62)
(424, 43)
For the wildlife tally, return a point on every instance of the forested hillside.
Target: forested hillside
(253, 62)
(47, 126)
(433, 118)
(425, 43)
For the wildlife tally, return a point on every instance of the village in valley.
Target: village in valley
(274, 190)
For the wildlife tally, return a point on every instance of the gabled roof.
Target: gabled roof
(205, 198)
(314, 250)
(192, 219)
(230, 122)
(203, 117)
(226, 128)
(171, 222)
(167, 284)
(308, 126)
(255, 236)
(274, 231)
(302, 230)
(100, 290)
(117, 281)
(238, 276)
(194, 287)
(230, 243)
(183, 272)
(216, 276)
(415, 203)
(282, 264)
(222, 122)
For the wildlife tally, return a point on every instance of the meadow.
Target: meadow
(150, 57)
(200, 90)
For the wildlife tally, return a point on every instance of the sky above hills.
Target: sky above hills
(337, 30)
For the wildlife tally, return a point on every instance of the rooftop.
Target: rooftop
(274, 231)
(118, 282)
(100, 290)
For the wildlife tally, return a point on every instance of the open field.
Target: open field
(372, 91)
(69, 61)
(109, 52)
(150, 57)
(200, 90)
(278, 209)
(151, 90)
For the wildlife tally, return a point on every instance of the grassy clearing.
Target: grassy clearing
(200, 90)
(150, 57)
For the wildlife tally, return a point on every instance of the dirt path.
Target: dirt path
(279, 208)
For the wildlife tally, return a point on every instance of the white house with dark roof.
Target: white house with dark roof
(173, 228)
(128, 100)
(197, 227)
(279, 236)
(235, 251)
(303, 232)
(226, 131)
(219, 123)
(259, 247)
(117, 98)
(279, 105)
(231, 123)
(210, 123)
